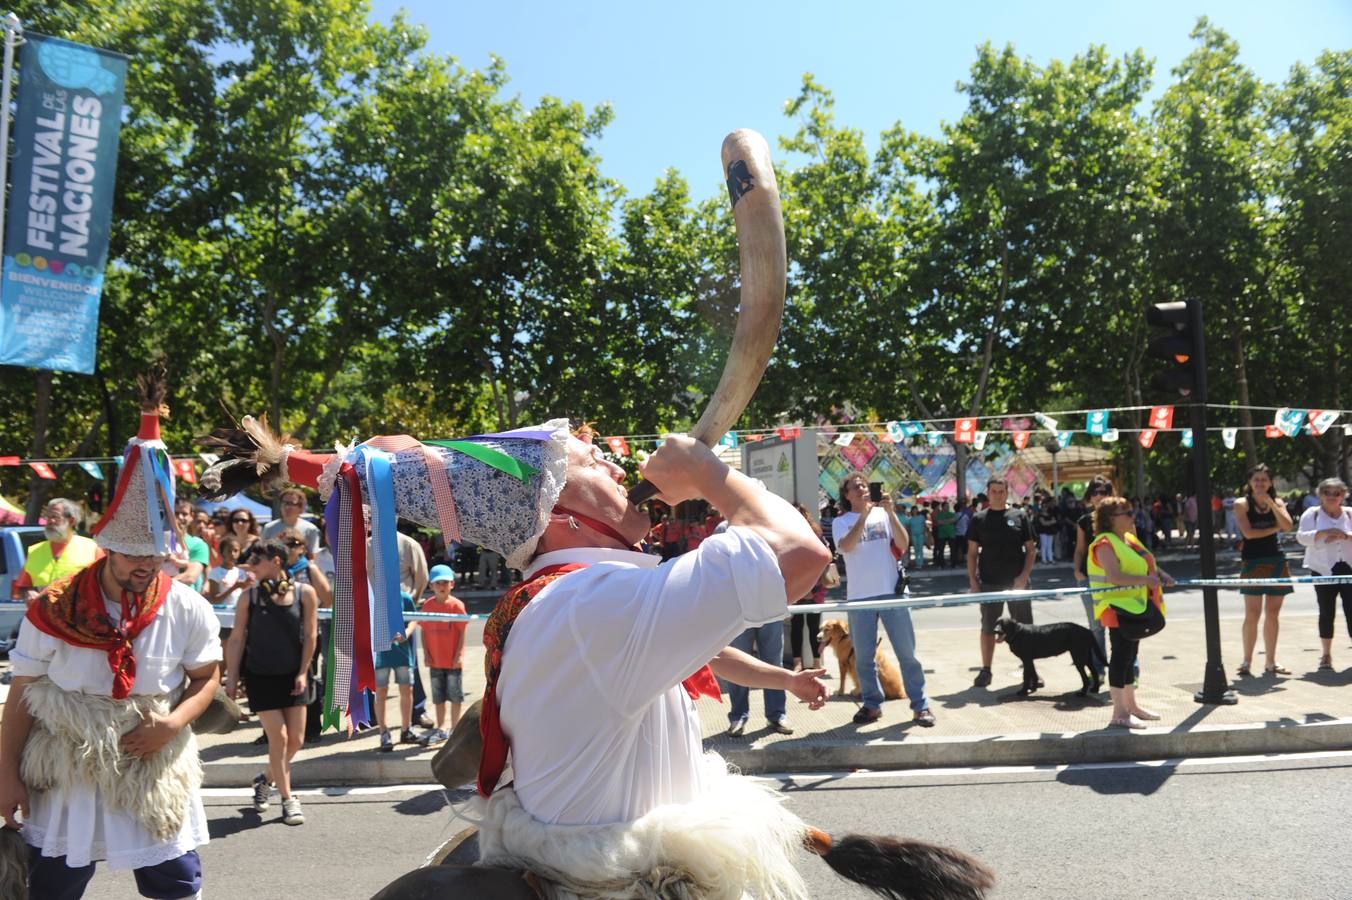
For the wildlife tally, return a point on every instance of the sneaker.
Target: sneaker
(262, 791)
(865, 715)
(435, 736)
(736, 728)
(983, 678)
(924, 718)
(425, 722)
(291, 811)
(406, 736)
(386, 742)
(779, 726)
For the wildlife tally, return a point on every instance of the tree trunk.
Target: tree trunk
(38, 488)
(1242, 391)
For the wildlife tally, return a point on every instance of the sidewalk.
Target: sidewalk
(1305, 711)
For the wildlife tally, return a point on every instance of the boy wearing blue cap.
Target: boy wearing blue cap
(444, 647)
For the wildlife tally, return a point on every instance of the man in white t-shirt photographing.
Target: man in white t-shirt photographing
(866, 535)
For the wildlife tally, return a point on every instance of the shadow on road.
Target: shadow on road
(1136, 779)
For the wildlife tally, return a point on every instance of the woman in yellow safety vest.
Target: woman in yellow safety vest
(1117, 557)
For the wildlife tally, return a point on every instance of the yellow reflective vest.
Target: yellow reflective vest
(44, 568)
(1132, 559)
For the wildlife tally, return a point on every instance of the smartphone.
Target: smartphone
(875, 491)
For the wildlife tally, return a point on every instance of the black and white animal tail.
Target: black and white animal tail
(902, 869)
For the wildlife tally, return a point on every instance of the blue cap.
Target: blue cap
(440, 573)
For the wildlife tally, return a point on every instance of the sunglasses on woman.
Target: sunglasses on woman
(240, 521)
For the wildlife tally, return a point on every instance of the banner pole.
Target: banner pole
(13, 29)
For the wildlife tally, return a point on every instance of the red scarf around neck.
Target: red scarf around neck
(493, 756)
(73, 611)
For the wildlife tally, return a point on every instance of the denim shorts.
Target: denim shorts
(403, 675)
(447, 686)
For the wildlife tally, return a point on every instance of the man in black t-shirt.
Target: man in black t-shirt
(1001, 549)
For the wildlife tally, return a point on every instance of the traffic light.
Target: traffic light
(1179, 344)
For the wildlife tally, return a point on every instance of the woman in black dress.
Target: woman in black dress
(276, 622)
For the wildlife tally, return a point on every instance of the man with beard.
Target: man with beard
(63, 553)
(111, 667)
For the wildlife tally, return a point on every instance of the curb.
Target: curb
(1033, 749)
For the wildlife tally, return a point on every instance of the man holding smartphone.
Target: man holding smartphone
(866, 534)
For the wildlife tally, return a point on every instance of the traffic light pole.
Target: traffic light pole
(1215, 688)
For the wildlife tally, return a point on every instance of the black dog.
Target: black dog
(1030, 642)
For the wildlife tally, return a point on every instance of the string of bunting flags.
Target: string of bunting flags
(1287, 422)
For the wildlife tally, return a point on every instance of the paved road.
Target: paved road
(1186, 830)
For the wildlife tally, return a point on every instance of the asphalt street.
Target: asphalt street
(1180, 830)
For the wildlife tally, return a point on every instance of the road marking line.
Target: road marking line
(977, 771)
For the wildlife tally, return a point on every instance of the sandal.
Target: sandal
(1326, 663)
(1243, 670)
(1128, 722)
(1276, 669)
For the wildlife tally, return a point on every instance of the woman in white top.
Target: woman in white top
(1326, 532)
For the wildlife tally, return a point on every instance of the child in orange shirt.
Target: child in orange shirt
(444, 647)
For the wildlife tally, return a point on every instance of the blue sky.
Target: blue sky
(682, 74)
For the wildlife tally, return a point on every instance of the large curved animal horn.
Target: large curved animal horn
(764, 268)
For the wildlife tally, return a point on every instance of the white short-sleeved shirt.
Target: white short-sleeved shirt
(309, 532)
(73, 821)
(590, 692)
(870, 568)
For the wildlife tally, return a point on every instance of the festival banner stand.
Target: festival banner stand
(66, 127)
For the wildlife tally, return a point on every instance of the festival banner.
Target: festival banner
(44, 471)
(1063, 439)
(1097, 422)
(788, 433)
(10, 460)
(728, 440)
(92, 470)
(895, 432)
(1020, 439)
(1147, 437)
(844, 440)
(1110, 436)
(1228, 437)
(186, 470)
(1271, 431)
(1045, 421)
(1161, 418)
(618, 445)
(979, 440)
(1347, 431)
(209, 458)
(935, 438)
(911, 429)
(964, 430)
(1187, 437)
(65, 136)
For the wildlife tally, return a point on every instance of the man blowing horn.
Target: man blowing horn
(110, 669)
(593, 662)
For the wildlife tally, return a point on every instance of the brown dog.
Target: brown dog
(836, 635)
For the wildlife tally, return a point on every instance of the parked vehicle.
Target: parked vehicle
(14, 543)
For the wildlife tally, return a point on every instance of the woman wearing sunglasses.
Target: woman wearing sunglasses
(243, 528)
(1326, 533)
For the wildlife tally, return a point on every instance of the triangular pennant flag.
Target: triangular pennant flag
(1147, 437)
(844, 439)
(186, 470)
(10, 460)
(895, 433)
(963, 430)
(1289, 421)
(1097, 422)
(1063, 439)
(92, 469)
(911, 429)
(1020, 439)
(1323, 420)
(788, 433)
(1045, 421)
(209, 458)
(1347, 431)
(44, 471)
(729, 439)
(1110, 436)
(979, 440)
(618, 445)
(935, 438)
(1187, 437)
(1228, 437)
(1271, 431)
(1161, 418)
(753, 438)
